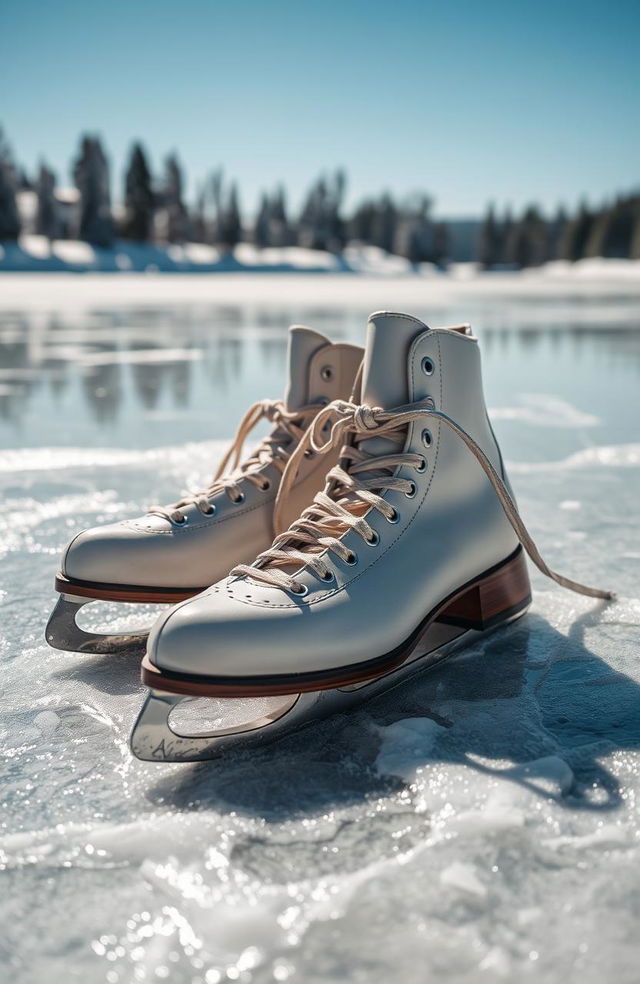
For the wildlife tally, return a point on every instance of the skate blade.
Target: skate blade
(250, 721)
(155, 738)
(63, 632)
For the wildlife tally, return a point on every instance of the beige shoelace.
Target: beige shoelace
(349, 496)
(277, 448)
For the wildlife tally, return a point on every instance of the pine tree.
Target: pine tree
(555, 232)
(9, 221)
(262, 230)
(47, 215)
(362, 222)
(526, 245)
(312, 232)
(441, 244)
(506, 232)
(91, 174)
(215, 189)
(230, 223)
(9, 218)
(414, 237)
(618, 244)
(336, 230)
(321, 224)
(198, 220)
(612, 230)
(138, 197)
(576, 234)
(634, 246)
(6, 157)
(490, 243)
(279, 223)
(177, 220)
(385, 224)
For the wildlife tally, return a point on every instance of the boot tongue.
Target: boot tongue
(385, 379)
(303, 344)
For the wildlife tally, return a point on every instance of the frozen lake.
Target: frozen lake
(477, 825)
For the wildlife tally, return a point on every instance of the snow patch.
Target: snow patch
(464, 878)
(405, 745)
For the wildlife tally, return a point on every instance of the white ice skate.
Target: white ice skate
(414, 548)
(175, 552)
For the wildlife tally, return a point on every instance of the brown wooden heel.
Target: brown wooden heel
(502, 593)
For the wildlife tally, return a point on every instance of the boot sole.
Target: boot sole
(500, 594)
(132, 593)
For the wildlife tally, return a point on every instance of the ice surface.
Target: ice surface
(477, 824)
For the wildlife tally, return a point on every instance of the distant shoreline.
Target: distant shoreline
(595, 281)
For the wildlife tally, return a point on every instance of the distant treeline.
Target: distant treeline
(154, 209)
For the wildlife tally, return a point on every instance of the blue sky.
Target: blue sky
(471, 101)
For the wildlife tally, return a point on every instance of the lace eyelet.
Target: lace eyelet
(412, 491)
(302, 592)
(427, 439)
(428, 366)
(394, 518)
(422, 467)
(326, 373)
(329, 576)
(240, 499)
(352, 559)
(180, 522)
(374, 541)
(308, 453)
(266, 485)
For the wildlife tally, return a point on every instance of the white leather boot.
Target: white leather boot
(415, 541)
(177, 551)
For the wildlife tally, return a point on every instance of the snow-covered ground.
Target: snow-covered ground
(34, 254)
(476, 825)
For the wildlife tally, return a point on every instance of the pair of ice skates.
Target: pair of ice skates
(397, 539)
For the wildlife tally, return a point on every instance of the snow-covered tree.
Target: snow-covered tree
(47, 213)
(138, 197)
(91, 175)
